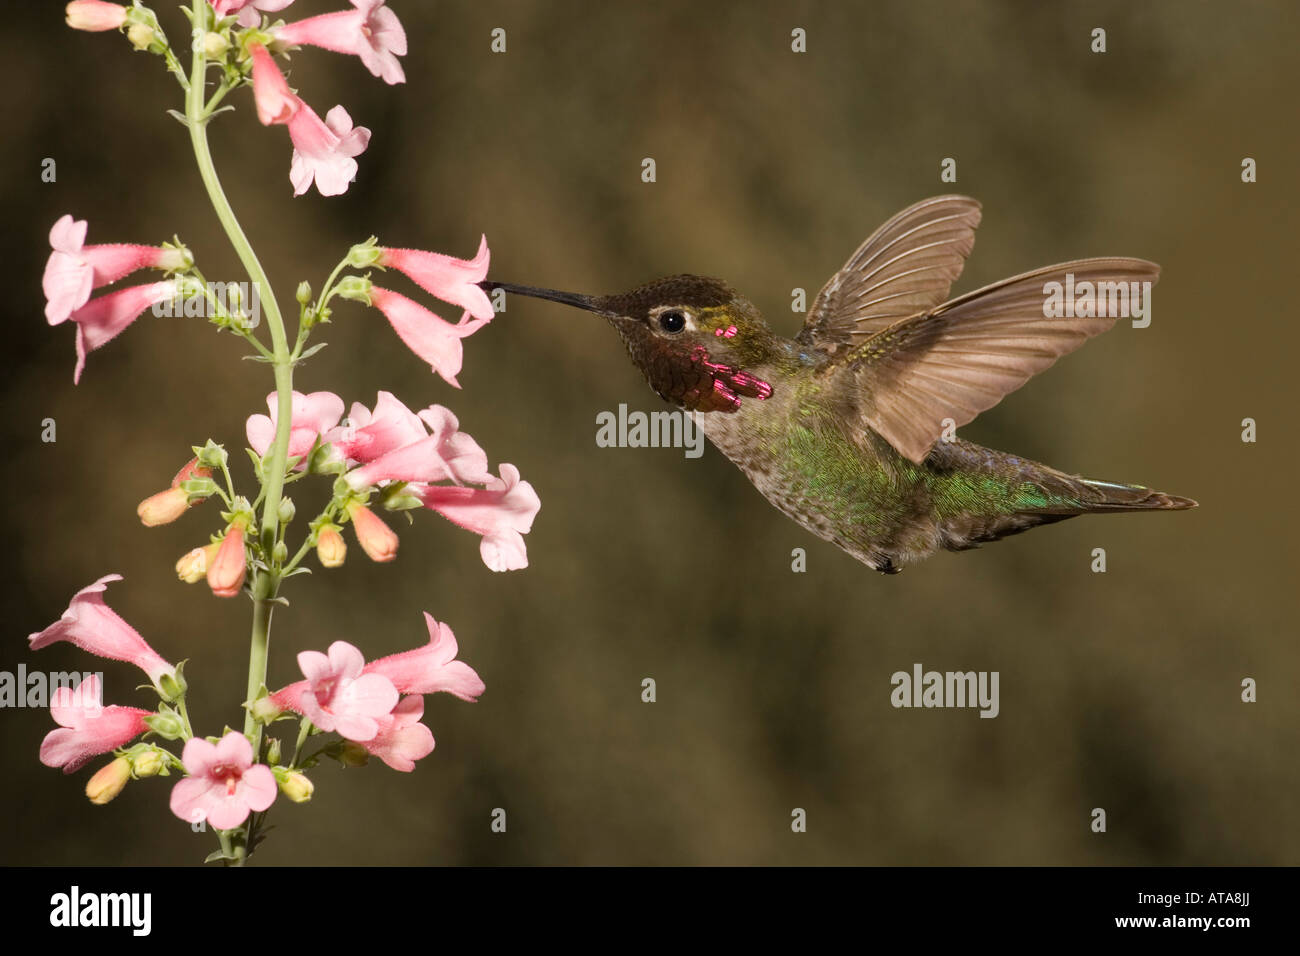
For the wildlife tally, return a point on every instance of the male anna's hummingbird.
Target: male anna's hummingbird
(847, 427)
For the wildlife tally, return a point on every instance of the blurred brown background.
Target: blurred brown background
(1118, 690)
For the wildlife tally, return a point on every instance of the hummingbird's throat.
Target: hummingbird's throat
(729, 383)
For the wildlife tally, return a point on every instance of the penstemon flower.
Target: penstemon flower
(379, 459)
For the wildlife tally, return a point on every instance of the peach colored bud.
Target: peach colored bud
(215, 46)
(94, 15)
(377, 539)
(108, 781)
(226, 572)
(331, 549)
(163, 508)
(193, 567)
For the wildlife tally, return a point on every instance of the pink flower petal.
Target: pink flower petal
(430, 337)
(101, 320)
(502, 512)
(431, 668)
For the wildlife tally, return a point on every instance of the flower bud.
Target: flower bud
(226, 573)
(163, 508)
(141, 35)
(147, 764)
(273, 753)
(287, 510)
(297, 787)
(215, 46)
(331, 549)
(303, 294)
(377, 540)
(108, 781)
(193, 567)
(95, 15)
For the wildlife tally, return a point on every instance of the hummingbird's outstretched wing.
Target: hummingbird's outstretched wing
(905, 267)
(963, 356)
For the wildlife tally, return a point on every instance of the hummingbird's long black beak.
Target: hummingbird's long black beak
(589, 302)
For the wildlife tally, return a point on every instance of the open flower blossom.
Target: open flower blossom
(86, 727)
(370, 31)
(95, 15)
(338, 695)
(366, 435)
(314, 414)
(323, 151)
(402, 739)
(446, 277)
(248, 11)
(95, 627)
(101, 320)
(224, 785)
(502, 512)
(445, 454)
(431, 668)
(74, 269)
(429, 336)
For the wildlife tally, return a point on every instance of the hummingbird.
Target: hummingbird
(849, 427)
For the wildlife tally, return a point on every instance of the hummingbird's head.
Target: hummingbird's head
(692, 336)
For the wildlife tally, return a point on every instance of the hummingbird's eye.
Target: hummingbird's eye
(672, 321)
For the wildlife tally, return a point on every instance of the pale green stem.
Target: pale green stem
(264, 583)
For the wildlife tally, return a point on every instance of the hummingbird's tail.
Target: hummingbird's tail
(1017, 494)
(1103, 497)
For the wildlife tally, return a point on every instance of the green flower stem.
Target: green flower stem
(265, 581)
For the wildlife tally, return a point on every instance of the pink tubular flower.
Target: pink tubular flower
(227, 570)
(95, 15)
(224, 785)
(313, 416)
(248, 10)
(402, 739)
(338, 695)
(377, 540)
(447, 453)
(95, 627)
(166, 506)
(431, 668)
(275, 102)
(367, 435)
(74, 269)
(433, 339)
(323, 151)
(446, 277)
(370, 31)
(101, 320)
(86, 727)
(502, 512)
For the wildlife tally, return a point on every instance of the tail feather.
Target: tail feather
(1108, 497)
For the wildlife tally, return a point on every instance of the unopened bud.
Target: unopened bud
(287, 510)
(377, 540)
(193, 567)
(147, 764)
(303, 295)
(227, 570)
(215, 46)
(331, 549)
(273, 750)
(95, 15)
(297, 787)
(108, 781)
(163, 508)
